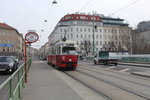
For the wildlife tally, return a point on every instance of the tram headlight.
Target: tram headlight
(70, 60)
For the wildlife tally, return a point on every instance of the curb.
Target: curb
(141, 74)
(137, 65)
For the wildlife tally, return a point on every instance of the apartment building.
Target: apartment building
(141, 38)
(101, 32)
(11, 42)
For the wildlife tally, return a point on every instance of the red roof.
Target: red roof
(81, 17)
(3, 25)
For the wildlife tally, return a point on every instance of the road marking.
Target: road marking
(110, 67)
(126, 69)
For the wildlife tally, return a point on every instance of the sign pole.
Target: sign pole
(30, 37)
(25, 60)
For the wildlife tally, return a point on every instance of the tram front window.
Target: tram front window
(69, 51)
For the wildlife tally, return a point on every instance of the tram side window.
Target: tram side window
(53, 51)
(58, 50)
(69, 51)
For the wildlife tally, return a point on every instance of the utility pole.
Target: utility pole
(93, 37)
(94, 27)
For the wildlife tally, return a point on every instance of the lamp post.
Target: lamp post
(64, 38)
(94, 27)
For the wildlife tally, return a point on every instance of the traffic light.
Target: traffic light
(95, 26)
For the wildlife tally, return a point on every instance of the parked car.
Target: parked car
(8, 63)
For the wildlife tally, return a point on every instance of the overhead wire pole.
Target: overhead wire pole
(93, 36)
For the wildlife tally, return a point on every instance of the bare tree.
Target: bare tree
(87, 46)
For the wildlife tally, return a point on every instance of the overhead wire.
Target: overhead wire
(124, 7)
(85, 5)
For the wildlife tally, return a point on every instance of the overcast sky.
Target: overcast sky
(27, 15)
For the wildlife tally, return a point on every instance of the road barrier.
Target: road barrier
(136, 59)
(12, 87)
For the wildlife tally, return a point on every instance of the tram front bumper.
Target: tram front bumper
(70, 64)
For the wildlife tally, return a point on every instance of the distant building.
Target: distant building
(109, 33)
(141, 38)
(11, 42)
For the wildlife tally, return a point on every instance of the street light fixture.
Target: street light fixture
(54, 2)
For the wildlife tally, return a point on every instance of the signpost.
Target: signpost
(30, 37)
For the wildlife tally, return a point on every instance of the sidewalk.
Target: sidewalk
(44, 84)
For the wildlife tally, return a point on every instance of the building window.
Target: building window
(97, 36)
(85, 35)
(81, 43)
(96, 42)
(85, 30)
(71, 29)
(81, 35)
(80, 29)
(105, 30)
(100, 42)
(76, 35)
(100, 30)
(77, 29)
(100, 36)
(71, 35)
(105, 36)
(89, 29)
(96, 30)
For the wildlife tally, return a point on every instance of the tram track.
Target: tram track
(148, 86)
(88, 86)
(117, 85)
(134, 76)
(143, 97)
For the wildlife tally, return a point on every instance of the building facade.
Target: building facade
(141, 38)
(10, 41)
(95, 32)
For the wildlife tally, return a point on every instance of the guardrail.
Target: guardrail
(11, 88)
(143, 59)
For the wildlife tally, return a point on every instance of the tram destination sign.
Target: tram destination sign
(31, 37)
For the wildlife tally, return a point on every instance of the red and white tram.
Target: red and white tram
(63, 55)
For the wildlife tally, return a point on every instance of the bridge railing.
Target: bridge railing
(136, 59)
(12, 87)
(143, 59)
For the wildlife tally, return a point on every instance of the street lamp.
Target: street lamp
(94, 27)
(64, 38)
(54, 2)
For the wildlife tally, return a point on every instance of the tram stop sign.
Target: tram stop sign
(31, 37)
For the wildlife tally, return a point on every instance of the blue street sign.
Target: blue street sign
(6, 45)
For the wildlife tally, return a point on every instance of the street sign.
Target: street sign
(6, 45)
(31, 37)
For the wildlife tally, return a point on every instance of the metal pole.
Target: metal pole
(25, 60)
(93, 36)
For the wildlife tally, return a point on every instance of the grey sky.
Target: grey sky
(30, 14)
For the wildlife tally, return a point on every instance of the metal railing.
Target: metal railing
(11, 88)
